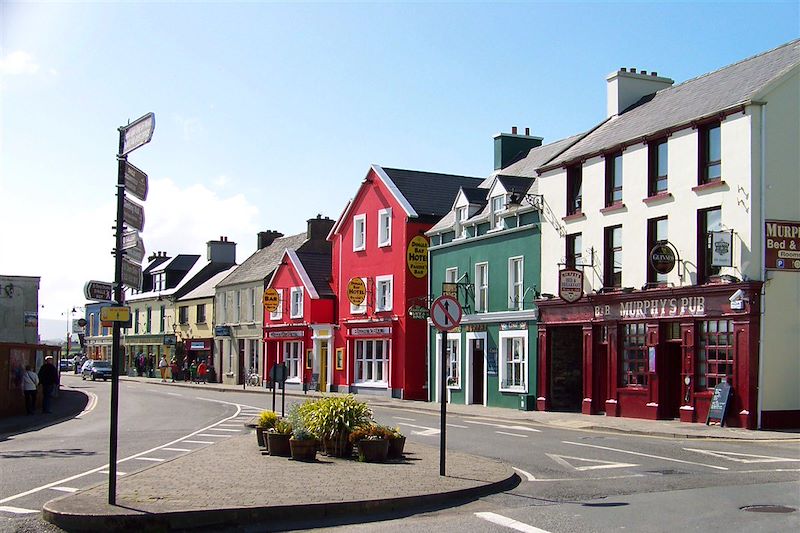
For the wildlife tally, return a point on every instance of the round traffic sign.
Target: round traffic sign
(446, 313)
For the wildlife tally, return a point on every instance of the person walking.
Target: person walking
(193, 371)
(201, 371)
(173, 369)
(48, 377)
(162, 367)
(30, 384)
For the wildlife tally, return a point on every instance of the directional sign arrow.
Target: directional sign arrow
(135, 182)
(138, 133)
(131, 274)
(133, 246)
(98, 291)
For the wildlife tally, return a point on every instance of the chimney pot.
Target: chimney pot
(633, 71)
(527, 131)
(654, 73)
(623, 69)
(644, 73)
(625, 91)
(513, 130)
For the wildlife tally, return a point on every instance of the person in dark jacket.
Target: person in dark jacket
(48, 378)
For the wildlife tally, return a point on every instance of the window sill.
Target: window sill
(574, 216)
(454, 387)
(613, 208)
(660, 197)
(710, 186)
(361, 249)
(372, 384)
(516, 390)
(384, 244)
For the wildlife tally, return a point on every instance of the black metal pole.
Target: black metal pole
(283, 389)
(115, 346)
(274, 374)
(443, 399)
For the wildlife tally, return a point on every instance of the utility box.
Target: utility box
(527, 402)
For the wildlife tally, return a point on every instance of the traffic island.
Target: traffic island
(231, 483)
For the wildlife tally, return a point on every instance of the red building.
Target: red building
(380, 240)
(298, 331)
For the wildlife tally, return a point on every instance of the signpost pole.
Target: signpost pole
(443, 399)
(274, 385)
(283, 389)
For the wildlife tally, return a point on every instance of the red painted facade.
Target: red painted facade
(679, 336)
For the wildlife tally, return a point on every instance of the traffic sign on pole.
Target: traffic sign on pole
(133, 214)
(98, 290)
(133, 246)
(135, 182)
(446, 313)
(131, 274)
(137, 133)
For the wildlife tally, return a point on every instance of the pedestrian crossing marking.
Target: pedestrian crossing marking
(65, 489)
(562, 460)
(154, 459)
(740, 457)
(199, 441)
(177, 449)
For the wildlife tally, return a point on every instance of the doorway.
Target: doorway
(323, 366)
(669, 380)
(566, 369)
(476, 353)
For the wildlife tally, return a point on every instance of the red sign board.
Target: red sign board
(446, 313)
(782, 250)
(570, 284)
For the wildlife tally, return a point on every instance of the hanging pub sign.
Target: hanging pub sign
(721, 248)
(356, 291)
(662, 258)
(417, 256)
(782, 250)
(272, 300)
(570, 284)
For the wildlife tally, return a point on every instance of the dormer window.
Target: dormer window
(159, 281)
(497, 206)
(461, 218)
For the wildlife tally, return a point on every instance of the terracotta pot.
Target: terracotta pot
(338, 446)
(260, 437)
(278, 444)
(373, 451)
(396, 448)
(303, 450)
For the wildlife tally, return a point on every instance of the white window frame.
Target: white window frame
(296, 297)
(363, 366)
(453, 361)
(360, 232)
(451, 275)
(237, 306)
(277, 314)
(515, 335)
(461, 217)
(380, 283)
(360, 309)
(293, 357)
(496, 219)
(252, 304)
(385, 227)
(481, 291)
(516, 287)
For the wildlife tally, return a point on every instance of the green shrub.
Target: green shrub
(267, 419)
(282, 427)
(371, 432)
(334, 415)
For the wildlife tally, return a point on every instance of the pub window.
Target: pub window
(657, 174)
(634, 355)
(708, 220)
(656, 233)
(573, 252)
(574, 189)
(612, 270)
(710, 151)
(716, 353)
(613, 179)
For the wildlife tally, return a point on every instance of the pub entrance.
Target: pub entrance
(566, 368)
(477, 355)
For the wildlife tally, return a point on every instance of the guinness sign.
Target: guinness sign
(662, 258)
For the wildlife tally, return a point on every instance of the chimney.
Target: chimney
(265, 238)
(626, 87)
(510, 147)
(221, 251)
(318, 228)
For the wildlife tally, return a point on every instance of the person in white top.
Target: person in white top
(30, 383)
(162, 366)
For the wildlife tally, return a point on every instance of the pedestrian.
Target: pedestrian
(30, 384)
(185, 372)
(173, 369)
(162, 367)
(201, 371)
(48, 377)
(193, 371)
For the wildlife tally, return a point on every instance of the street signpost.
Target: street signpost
(133, 245)
(135, 182)
(133, 214)
(136, 134)
(131, 274)
(99, 291)
(446, 315)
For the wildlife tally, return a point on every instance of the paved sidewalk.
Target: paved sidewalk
(661, 428)
(69, 403)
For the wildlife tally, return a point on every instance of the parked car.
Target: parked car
(64, 365)
(96, 370)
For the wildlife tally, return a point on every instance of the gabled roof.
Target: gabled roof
(263, 262)
(154, 263)
(516, 184)
(429, 194)
(206, 289)
(720, 91)
(179, 262)
(474, 195)
(318, 268)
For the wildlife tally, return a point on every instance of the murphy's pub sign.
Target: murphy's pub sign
(653, 308)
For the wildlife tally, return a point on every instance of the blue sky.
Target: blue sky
(269, 113)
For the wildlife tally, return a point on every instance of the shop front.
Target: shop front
(367, 368)
(292, 346)
(655, 354)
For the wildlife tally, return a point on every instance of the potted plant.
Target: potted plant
(372, 442)
(397, 442)
(266, 421)
(278, 438)
(303, 443)
(334, 418)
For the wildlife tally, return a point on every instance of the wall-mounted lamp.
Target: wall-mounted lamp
(534, 200)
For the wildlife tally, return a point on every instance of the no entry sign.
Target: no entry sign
(446, 313)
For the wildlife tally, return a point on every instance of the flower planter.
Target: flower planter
(373, 451)
(396, 446)
(338, 446)
(260, 437)
(278, 444)
(303, 450)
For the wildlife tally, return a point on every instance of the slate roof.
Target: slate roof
(700, 97)
(514, 183)
(180, 262)
(475, 195)
(429, 193)
(206, 289)
(318, 268)
(263, 262)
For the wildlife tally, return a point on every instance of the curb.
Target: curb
(50, 421)
(276, 516)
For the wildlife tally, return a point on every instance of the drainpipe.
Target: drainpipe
(762, 220)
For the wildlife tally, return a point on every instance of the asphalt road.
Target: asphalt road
(573, 480)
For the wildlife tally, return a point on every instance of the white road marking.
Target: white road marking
(510, 523)
(739, 457)
(65, 489)
(213, 435)
(174, 394)
(457, 426)
(153, 390)
(645, 455)
(153, 459)
(177, 449)
(199, 441)
(225, 429)
(403, 418)
(107, 472)
(426, 431)
(766, 470)
(562, 460)
(90, 406)
(503, 426)
(527, 475)
(16, 510)
(512, 434)
(582, 479)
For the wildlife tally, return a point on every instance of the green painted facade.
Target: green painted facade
(503, 327)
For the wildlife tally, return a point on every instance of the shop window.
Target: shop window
(292, 356)
(453, 363)
(656, 233)
(710, 151)
(183, 314)
(657, 173)
(634, 355)
(371, 359)
(383, 285)
(613, 179)
(708, 220)
(574, 189)
(516, 287)
(482, 287)
(573, 251)
(201, 313)
(296, 302)
(716, 353)
(278, 312)
(359, 232)
(612, 271)
(385, 227)
(513, 362)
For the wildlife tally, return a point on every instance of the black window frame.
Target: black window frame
(653, 238)
(201, 313)
(574, 189)
(657, 183)
(612, 277)
(704, 252)
(704, 157)
(614, 191)
(572, 253)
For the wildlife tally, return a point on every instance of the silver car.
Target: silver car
(96, 370)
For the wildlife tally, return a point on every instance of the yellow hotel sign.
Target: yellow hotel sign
(417, 257)
(356, 291)
(271, 300)
(115, 314)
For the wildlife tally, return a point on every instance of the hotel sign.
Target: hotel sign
(654, 308)
(297, 334)
(370, 332)
(570, 285)
(782, 250)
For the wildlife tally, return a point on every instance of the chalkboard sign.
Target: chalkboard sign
(719, 403)
(491, 362)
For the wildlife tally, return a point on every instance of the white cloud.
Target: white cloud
(221, 181)
(192, 127)
(18, 63)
